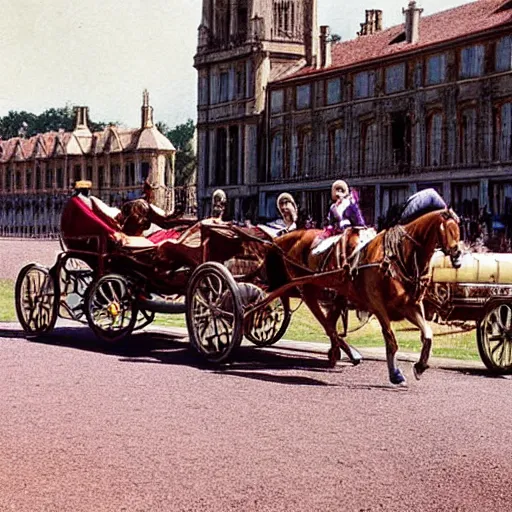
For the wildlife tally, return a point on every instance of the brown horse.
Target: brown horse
(387, 278)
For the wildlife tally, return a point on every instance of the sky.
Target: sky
(104, 53)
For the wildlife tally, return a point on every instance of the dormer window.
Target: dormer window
(364, 85)
(436, 69)
(395, 78)
(472, 61)
(504, 54)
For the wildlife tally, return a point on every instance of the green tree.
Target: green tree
(182, 138)
(26, 124)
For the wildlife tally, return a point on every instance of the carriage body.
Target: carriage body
(116, 284)
(480, 291)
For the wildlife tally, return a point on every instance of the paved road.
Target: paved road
(151, 429)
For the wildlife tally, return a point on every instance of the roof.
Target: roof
(445, 26)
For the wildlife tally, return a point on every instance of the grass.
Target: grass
(448, 341)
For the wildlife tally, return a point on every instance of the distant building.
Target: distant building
(427, 103)
(38, 174)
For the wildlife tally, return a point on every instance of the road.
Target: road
(150, 428)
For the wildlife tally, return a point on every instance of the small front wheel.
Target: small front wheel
(110, 308)
(214, 312)
(36, 301)
(494, 338)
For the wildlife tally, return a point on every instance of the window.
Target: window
(29, 183)
(436, 69)
(472, 61)
(435, 139)
(504, 129)
(88, 173)
(115, 172)
(8, 184)
(504, 54)
(283, 18)
(395, 78)
(364, 85)
(468, 136)
(304, 163)
(277, 101)
(129, 174)
(333, 91)
(240, 82)
(18, 180)
(144, 170)
(202, 93)
(48, 178)
(224, 86)
(336, 149)
(369, 149)
(303, 96)
(39, 181)
(214, 88)
(221, 156)
(276, 157)
(60, 178)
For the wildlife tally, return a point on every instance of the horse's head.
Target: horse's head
(449, 236)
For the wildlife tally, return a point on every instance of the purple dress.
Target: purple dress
(344, 214)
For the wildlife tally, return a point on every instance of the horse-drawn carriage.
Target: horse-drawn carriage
(117, 283)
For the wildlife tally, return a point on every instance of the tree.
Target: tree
(334, 38)
(26, 124)
(182, 138)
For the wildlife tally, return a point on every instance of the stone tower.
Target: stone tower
(242, 45)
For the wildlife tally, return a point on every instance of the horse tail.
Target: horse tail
(275, 267)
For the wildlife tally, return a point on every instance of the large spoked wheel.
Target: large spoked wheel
(267, 325)
(36, 301)
(494, 337)
(214, 312)
(110, 308)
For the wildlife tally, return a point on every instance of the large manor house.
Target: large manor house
(427, 103)
(283, 106)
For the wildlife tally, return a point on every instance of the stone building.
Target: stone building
(37, 174)
(427, 103)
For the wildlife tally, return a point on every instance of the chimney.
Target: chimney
(412, 22)
(372, 23)
(325, 47)
(81, 118)
(147, 111)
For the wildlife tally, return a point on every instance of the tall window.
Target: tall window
(60, 177)
(304, 163)
(115, 172)
(277, 101)
(395, 78)
(504, 132)
(284, 18)
(48, 178)
(8, 179)
(472, 61)
(504, 54)
(220, 156)
(224, 86)
(336, 149)
(436, 69)
(39, 181)
(276, 157)
(333, 91)
(369, 148)
(29, 182)
(303, 99)
(468, 136)
(364, 85)
(435, 139)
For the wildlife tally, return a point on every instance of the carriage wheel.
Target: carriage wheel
(214, 312)
(36, 304)
(494, 337)
(110, 308)
(267, 325)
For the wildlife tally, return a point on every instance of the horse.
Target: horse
(387, 277)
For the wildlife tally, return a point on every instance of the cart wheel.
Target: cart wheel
(363, 317)
(110, 308)
(268, 325)
(36, 304)
(494, 337)
(214, 312)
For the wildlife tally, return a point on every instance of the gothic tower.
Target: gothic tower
(242, 45)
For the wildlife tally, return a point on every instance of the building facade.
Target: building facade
(37, 174)
(427, 103)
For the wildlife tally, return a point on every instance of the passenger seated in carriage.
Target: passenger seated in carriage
(219, 201)
(424, 201)
(287, 207)
(345, 210)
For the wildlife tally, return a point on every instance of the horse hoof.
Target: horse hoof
(397, 377)
(355, 356)
(334, 356)
(418, 370)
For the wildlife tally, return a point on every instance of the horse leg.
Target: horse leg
(417, 317)
(395, 374)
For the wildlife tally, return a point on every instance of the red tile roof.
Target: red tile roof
(444, 26)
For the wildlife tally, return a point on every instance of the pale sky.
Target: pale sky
(103, 53)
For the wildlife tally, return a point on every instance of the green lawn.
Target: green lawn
(448, 341)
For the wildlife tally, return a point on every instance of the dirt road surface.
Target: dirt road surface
(150, 428)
